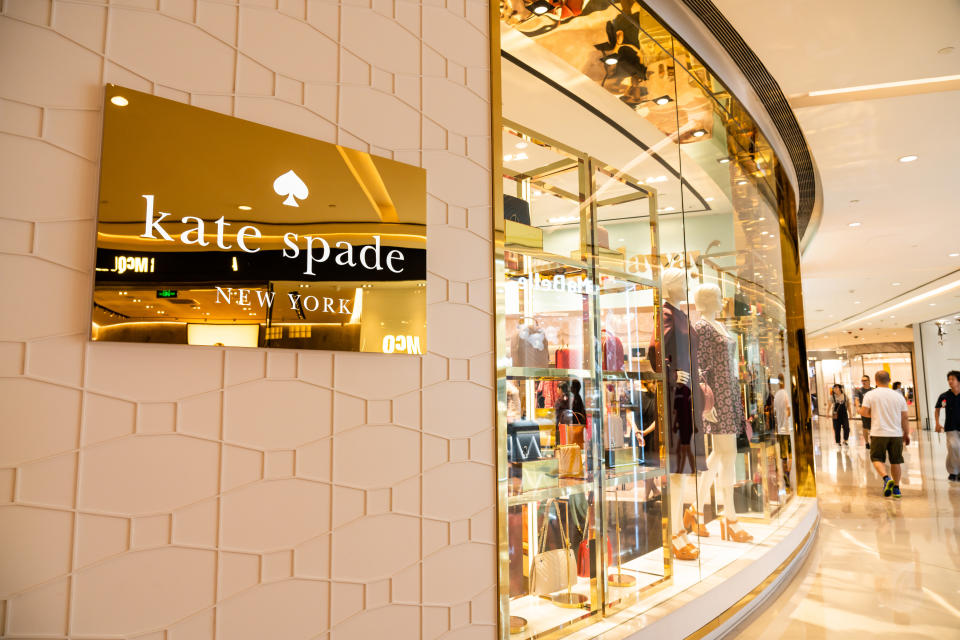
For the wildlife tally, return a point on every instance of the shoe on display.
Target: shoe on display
(691, 522)
(731, 530)
(887, 486)
(896, 492)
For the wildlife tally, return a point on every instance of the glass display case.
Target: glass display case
(584, 450)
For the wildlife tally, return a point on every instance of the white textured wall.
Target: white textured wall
(173, 493)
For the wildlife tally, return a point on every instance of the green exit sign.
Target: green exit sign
(166, 293)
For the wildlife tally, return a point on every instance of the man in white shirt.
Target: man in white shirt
(781, 411)
(889, 430)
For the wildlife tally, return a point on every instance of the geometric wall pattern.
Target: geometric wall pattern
(180, 493)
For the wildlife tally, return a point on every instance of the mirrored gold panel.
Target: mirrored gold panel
(213, 230)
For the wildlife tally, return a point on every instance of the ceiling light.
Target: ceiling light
(521, 145)
(662, 100)
(910, 158)
(667, 209)
(611, 59)
(540, 7)
(120, 101)
(244, 207)
(856, 302)
(708, 199)
(933, 304)
(699, 133)
(760, 219)
(723, 160)
(884, 85)
(894, 284)
(953, 255)
(854, 224)
(507, 158)
(741, 182)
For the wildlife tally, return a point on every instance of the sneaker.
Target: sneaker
(896, 492)
(887, 486)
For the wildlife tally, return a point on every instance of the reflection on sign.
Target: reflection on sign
(401, 344)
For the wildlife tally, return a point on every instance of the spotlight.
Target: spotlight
(540, 7)
(699, 133)
(611, 59)
(120, 101)
(244, 207)
(909, 158)
(662, 100)
(724, 160)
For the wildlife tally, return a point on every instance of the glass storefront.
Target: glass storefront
(645, 386)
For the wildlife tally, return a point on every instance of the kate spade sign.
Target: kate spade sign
(277, 239)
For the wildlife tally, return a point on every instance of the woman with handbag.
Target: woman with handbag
(841, 414)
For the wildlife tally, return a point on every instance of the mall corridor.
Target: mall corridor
(880, 568)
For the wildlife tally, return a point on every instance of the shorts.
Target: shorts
(866, 423)
(880, 446)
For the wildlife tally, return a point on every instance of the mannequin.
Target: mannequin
(683, 428)
(719, 368)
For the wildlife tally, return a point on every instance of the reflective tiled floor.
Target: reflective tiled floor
(881, 569)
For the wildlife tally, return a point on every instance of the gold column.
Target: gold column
(796, 338)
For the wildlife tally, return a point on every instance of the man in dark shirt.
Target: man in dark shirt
(950, 400)
(858, 394)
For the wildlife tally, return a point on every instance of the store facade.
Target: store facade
(586, 402)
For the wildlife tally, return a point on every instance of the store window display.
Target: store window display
(643, 318)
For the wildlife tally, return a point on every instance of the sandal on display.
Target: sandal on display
(682, 549)
(692, 523)
(731, 530)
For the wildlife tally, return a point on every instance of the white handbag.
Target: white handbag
(556, 569)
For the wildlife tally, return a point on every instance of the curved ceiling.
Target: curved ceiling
(901, 263)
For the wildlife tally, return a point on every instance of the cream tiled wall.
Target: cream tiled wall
(180, 493)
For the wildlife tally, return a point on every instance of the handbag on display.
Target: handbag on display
(516, 209)
(555, 569)
(539, 474)
(570, 461)
(743, 442)
(587, 556)
(567, 358)
(529, 347)
(523, 441)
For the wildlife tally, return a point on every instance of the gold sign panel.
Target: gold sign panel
(213, 230)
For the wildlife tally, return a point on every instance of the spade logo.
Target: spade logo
(290, 185)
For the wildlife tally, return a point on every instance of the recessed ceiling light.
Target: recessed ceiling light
(610, 59)
(120, 101)
(724, 160)
(521, 145)
(708, 199)
(856, 302)
(741, 182)
(909, 158)
(894, 284)
(933, 304)
(699, 133)
(854, 224)
(760, 219)
(662, 100)
(540, 10)
(953, 255)
(244, 207)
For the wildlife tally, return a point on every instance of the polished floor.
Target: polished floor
(880, 569)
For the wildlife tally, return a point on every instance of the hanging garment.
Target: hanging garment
(718, 364)
(684, 430)
(612, 350)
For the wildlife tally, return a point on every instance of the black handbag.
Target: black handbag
(743, 442)
(516, 210)
(523, 441)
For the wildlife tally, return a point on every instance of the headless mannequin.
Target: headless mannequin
(674, 292)
(721, 463)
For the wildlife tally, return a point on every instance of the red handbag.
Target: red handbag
(586, 556)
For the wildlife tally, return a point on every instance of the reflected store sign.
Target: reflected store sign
(303, 243)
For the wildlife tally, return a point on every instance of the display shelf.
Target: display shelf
(543, 256)
(574, 486)
(626, 275)
(547, 373)
(633, 375)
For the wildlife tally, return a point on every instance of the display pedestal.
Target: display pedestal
(518, 624)
(621, 580)
(569, 600)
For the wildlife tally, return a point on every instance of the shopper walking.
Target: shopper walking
(950, 401)
(858, 395)
(889, 431)
(841, 414)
